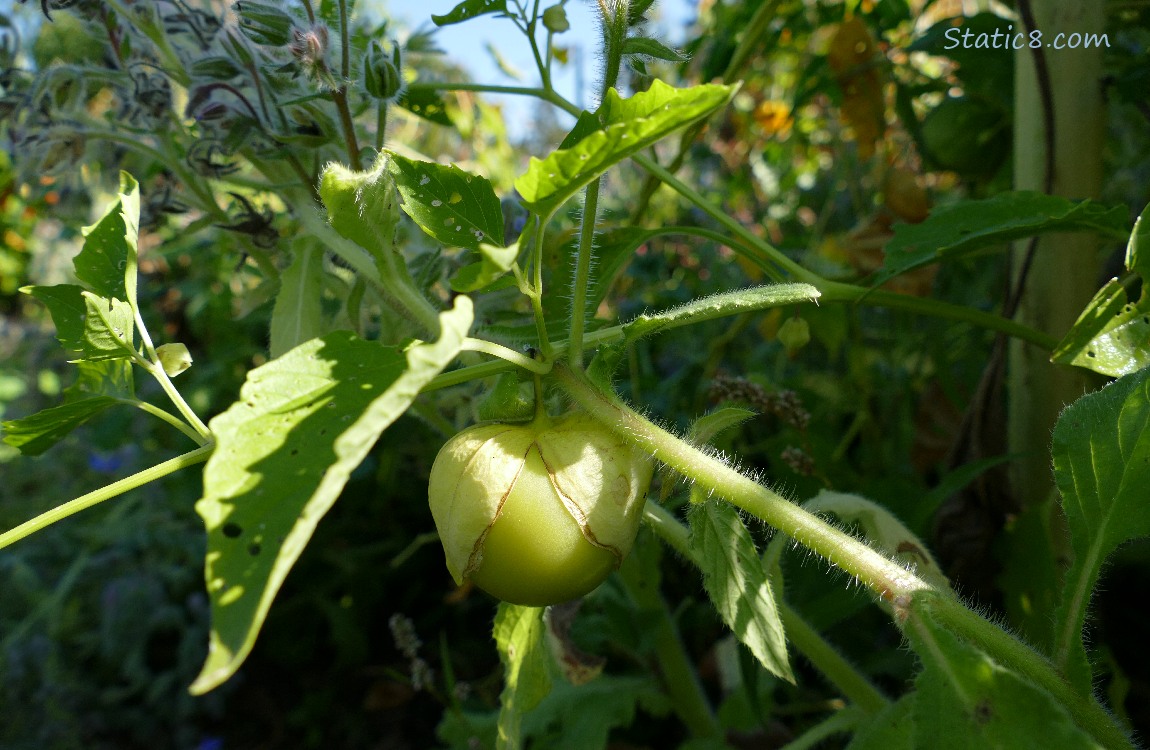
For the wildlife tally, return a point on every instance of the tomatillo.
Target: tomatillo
(537, 513)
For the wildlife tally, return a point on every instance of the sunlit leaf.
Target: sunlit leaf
(734, 578)
(1112, 336)
(107, 262)
(1101, 455)
(89, 326)
(283, 453)
(720, 305)
(628, 126)
(454, 207)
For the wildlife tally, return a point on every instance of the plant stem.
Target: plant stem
(885, 577)
(583, 273)
(509, 355)
(1016, 655)
(806, 640)
(171, 419)
(197, 456)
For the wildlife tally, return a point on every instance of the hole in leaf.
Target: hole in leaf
(253, 549)
(232, 530)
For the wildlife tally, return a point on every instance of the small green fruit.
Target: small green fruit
(537, 513)
(175, 358)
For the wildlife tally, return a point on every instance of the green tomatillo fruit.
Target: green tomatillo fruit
(541, 512)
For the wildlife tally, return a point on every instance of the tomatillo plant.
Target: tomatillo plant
(414, 286)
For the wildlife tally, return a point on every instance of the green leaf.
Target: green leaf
(107, 262)
(720, 305)
(706, 427)
(586, 124)
(100, 385)
(647, 47)
(469, 9)
(298, 313)
(496, 261)
(883, 530)
(520, 636)
(283, 453)
(88, 325)
(582, 716)
(1112, 336)
(1101, 455)
(737, 584)
(628, 126)
(966, 700)
(960, 228)
(454, 207)
(426, 103)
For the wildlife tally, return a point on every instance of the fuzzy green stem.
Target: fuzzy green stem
(806, 640)
(1016, 655)
(885, 577)
(197, 456)
(583, 273)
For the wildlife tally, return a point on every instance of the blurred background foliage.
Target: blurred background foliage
(851, 118)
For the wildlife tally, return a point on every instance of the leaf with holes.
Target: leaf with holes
(1112, 336)
(737, 584)
(627, 127)
(283, 453)
(1101, 455)
(454, 207)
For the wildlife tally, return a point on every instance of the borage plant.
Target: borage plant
(543, 500)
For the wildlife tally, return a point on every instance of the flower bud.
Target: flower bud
(381, 76)
(537, 513)
(555, 19)
(174, 358)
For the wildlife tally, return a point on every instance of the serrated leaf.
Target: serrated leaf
(37, 433)
(469, 9)
(586, 124)
(582, 716)
(521, 638)
(965, 700)
(735, 581)
(1101, 453)
(628, 126)
(283, 453)
(298, 313)
(640, 45)
(885, 532)
(454, 207)
(960, 228)
(707, 427)
(1112, 336)
(99, 385)
(88, 325)
(720, 305)
(107, 262)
